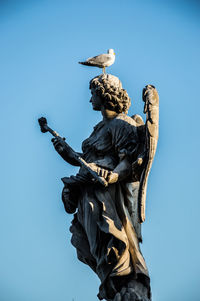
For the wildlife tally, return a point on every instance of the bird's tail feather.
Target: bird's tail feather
(87, 64)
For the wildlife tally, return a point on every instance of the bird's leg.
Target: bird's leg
(104, 70)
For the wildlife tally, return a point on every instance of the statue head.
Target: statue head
(108, 91)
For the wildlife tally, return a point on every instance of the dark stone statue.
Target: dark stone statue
(110, 207)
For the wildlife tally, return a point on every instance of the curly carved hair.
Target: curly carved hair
(109, 88)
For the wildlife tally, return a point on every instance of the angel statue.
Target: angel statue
(106, 227)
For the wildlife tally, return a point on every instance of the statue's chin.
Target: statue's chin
(96, 108)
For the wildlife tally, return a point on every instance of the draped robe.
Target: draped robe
(105, 229)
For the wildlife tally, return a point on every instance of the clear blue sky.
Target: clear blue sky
(156, 42)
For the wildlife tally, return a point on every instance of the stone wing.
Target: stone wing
(151, 99)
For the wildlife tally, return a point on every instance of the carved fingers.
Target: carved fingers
(109, 176)
(100, 171)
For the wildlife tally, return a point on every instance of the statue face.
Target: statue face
(95, 100)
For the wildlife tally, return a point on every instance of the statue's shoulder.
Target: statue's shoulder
(138, 119)
(98, 125)
(123, 119)
(123, 126)
(127, 125)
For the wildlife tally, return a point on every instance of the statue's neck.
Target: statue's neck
(108, 114)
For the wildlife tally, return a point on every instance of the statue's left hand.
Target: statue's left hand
(109, 176)
(113, 177)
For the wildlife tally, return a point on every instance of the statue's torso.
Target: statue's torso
(109, 139)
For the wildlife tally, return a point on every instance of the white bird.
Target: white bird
(101, 61)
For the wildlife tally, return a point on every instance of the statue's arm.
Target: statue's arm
(120, 172)
(66, 152)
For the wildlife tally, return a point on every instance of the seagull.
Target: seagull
(101, 61)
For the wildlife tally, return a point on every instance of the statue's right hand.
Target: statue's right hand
(65, 151)
(58, 145)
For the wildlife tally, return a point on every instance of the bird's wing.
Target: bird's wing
(99, 60)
